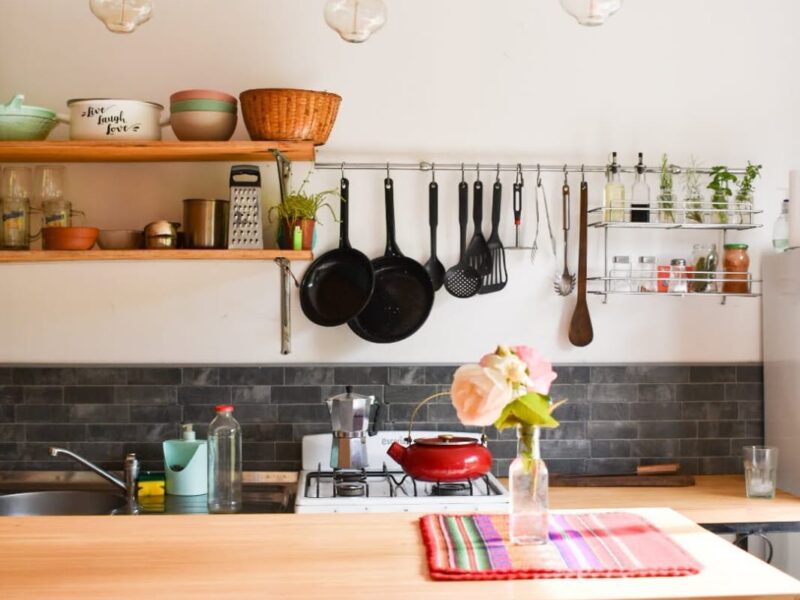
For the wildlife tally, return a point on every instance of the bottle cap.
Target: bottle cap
(224, 408)
(736, 246)
(188, 432)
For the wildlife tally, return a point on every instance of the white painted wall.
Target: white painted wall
(450, 80)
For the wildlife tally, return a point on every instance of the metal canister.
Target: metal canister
(205, 223)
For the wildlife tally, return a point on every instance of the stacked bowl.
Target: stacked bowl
(203, 115)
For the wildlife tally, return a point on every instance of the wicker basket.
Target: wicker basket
(289, 115)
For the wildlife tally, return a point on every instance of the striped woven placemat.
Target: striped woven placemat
(601, 545)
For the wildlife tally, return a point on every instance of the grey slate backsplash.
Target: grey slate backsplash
(617, 417)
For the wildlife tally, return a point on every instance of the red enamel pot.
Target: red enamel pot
(443, 458)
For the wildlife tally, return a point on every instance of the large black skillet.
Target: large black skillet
(338, 284)
(403, 294)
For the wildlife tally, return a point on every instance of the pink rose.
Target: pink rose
(540, 370)
(479, 395)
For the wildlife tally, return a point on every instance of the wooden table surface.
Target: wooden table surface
(315, 556)
(715, 499)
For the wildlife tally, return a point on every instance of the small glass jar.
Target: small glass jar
(667, 210)
(621, 274)
(743, 208)
(737, 269)
(646, 274)
(678, 281)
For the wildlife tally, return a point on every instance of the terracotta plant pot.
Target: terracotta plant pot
(286, 233)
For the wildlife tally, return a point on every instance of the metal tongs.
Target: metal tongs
(535, 247)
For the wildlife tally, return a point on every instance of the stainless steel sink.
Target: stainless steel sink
(60, 503)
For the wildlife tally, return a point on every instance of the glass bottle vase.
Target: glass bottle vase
(528, 482)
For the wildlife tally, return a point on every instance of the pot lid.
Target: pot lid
(349, 395)
(15, 107)
(447, 440)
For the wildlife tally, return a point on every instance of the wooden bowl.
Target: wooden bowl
(69, 238)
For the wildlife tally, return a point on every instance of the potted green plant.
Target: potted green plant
(721, 179)
(297, 216)
(666, 197)
(745, 192)
(694, 195)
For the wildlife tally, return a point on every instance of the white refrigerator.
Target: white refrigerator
(781, 337)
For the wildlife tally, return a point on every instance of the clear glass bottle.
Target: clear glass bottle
(614, 194)
(528, 486)
(224, 462)
(640, 195)
(621, 274)
(678, 281)
(646, 274)
(780, 232)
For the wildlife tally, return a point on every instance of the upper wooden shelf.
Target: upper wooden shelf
(132, 151)
(29, 256)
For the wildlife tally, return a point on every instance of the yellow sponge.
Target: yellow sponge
(151, 484)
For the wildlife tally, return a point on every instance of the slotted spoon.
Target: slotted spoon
(462, 280)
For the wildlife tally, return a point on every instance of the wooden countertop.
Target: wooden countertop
(714, 499)
(315, 556)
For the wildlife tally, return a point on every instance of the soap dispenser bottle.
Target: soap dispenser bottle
(185, 464)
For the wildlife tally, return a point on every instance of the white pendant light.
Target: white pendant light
(122, 16)
(591, 12)
(355, 20)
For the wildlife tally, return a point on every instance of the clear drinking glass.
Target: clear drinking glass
(15, 188)
(760, 471)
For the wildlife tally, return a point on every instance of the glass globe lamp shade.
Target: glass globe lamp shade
(591, 12)
(355, 20)
(122, 16)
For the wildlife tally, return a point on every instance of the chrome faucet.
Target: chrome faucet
(129, 486)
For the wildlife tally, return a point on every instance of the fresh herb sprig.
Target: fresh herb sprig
(721, 179)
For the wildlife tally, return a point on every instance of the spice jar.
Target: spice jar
(621, 274)
(737, 269)
(678, 281)
(646, 273)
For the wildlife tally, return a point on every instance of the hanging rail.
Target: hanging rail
(488, 167)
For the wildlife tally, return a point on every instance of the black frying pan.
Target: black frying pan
(338, 284)
(403, 295)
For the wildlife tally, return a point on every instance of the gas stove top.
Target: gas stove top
(383, 486)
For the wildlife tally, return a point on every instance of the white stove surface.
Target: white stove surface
(388, 488)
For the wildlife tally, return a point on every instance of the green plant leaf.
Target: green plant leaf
(530, 409)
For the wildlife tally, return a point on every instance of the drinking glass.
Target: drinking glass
(16, 215)
(760, 471)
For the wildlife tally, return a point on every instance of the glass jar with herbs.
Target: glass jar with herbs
(737, 269)
(743, 206)
(693, 201)
(666, 197)
(721, 180)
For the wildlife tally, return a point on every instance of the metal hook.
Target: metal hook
(583, 173)
(539, 175)
(342, 169)
(433, 172)
(520, 176)
(497, 178)
(478, 171)
(462, 173)
(566, 176)
(388, 174)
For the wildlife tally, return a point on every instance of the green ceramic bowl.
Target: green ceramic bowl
(209, 105)
(25, 123)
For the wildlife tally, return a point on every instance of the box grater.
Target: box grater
(246, 224)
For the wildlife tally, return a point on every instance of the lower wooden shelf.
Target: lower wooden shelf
(32, 256)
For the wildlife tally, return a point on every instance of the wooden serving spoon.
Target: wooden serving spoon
(580, 330)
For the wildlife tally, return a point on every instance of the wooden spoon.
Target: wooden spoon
(580, 330)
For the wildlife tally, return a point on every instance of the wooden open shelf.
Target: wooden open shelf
(132, 151)
(33, 256)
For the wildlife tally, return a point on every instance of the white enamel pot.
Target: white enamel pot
(109, 119)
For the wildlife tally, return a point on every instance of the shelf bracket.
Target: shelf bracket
(286, 307)
(284, 172)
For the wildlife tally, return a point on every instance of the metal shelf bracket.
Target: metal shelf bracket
(287, 277)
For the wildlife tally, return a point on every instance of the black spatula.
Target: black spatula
(478, 253)
(498, 277)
